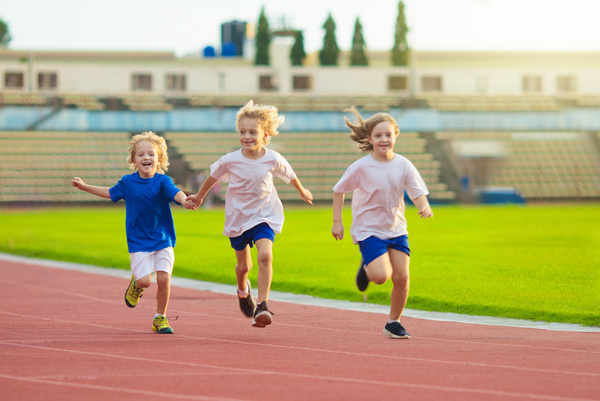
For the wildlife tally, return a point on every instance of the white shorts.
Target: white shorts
(144, 263)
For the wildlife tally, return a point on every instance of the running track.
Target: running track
(67, 335)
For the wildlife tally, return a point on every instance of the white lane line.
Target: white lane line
(313, 301)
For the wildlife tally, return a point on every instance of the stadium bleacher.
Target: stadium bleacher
(541, 165)
(319, 158)
(82, 101)
(552, 154)
(492, 103)
(38, 166)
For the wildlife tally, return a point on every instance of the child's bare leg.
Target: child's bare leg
(401, 280)
(380, 270)
(243, 266)
(264, 248)
(144, 282)
(163, 279)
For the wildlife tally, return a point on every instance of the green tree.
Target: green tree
(400, 51)
(358, 55)
(329, 54)
(298, 54)
(263, 40)
(4, 34)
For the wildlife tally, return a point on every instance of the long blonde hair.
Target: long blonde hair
(267, 116)
(161, 150)
(361, 129)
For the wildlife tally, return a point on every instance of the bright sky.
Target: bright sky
(185, 26)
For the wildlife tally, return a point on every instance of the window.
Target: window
(397, 82)
(175, 82)
(431, 84)
(142, 82)
(532, 84)
(13, 80)
(267, 83)
(566, 84)
(47, 80)
(302, 82)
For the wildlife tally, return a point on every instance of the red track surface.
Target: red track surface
(67, 335)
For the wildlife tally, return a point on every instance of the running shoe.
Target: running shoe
(362, 281)
(395, 330)
(133, 294)
(247, 304)
(262, 315)
(161, 325)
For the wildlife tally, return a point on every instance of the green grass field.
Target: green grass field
(527, 262)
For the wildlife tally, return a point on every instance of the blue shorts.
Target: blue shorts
(374, 247)
(249, 237)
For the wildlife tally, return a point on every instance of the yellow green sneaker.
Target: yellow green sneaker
(161, 325)
(133, 294)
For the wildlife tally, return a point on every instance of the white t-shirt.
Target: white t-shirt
(251, 197)
(378, 197)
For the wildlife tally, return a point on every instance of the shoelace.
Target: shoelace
(137, 291)
(262, 308)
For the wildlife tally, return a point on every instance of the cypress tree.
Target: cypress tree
(298, 54)
(400, 51)
(329, 54)
(358, 55)
(5, 37)
(263, 40)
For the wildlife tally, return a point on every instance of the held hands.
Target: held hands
(193, 202)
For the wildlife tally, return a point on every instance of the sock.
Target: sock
(159, 315)
(242, 294)
(392, 321)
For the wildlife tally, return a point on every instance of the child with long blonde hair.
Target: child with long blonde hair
(378, 181)
(253, 210)
(148, 220)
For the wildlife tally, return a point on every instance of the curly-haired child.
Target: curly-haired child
(253, 210)
(148, 220)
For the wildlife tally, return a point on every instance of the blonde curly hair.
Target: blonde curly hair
(361, 129)
(161, 149)
(267, 116)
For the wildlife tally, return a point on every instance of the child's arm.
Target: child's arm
(180, 197)
(423, 205)
(194, 201)
(102, 192)
(305, 194)
(338, 226)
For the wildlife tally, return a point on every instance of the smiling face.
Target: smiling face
(383, 138)
(252, 136)
(146, 159)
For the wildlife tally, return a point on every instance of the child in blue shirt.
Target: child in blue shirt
(149, 220)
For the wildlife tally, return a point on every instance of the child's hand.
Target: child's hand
(307, 196)
(191, 202)
(426, 212)
(77, 183)
(337, 231)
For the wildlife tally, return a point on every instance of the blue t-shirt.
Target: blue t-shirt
(148, 218)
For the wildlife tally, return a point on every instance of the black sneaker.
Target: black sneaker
(262, 315)
(247, 304)
(362, 281)
(395, 330)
